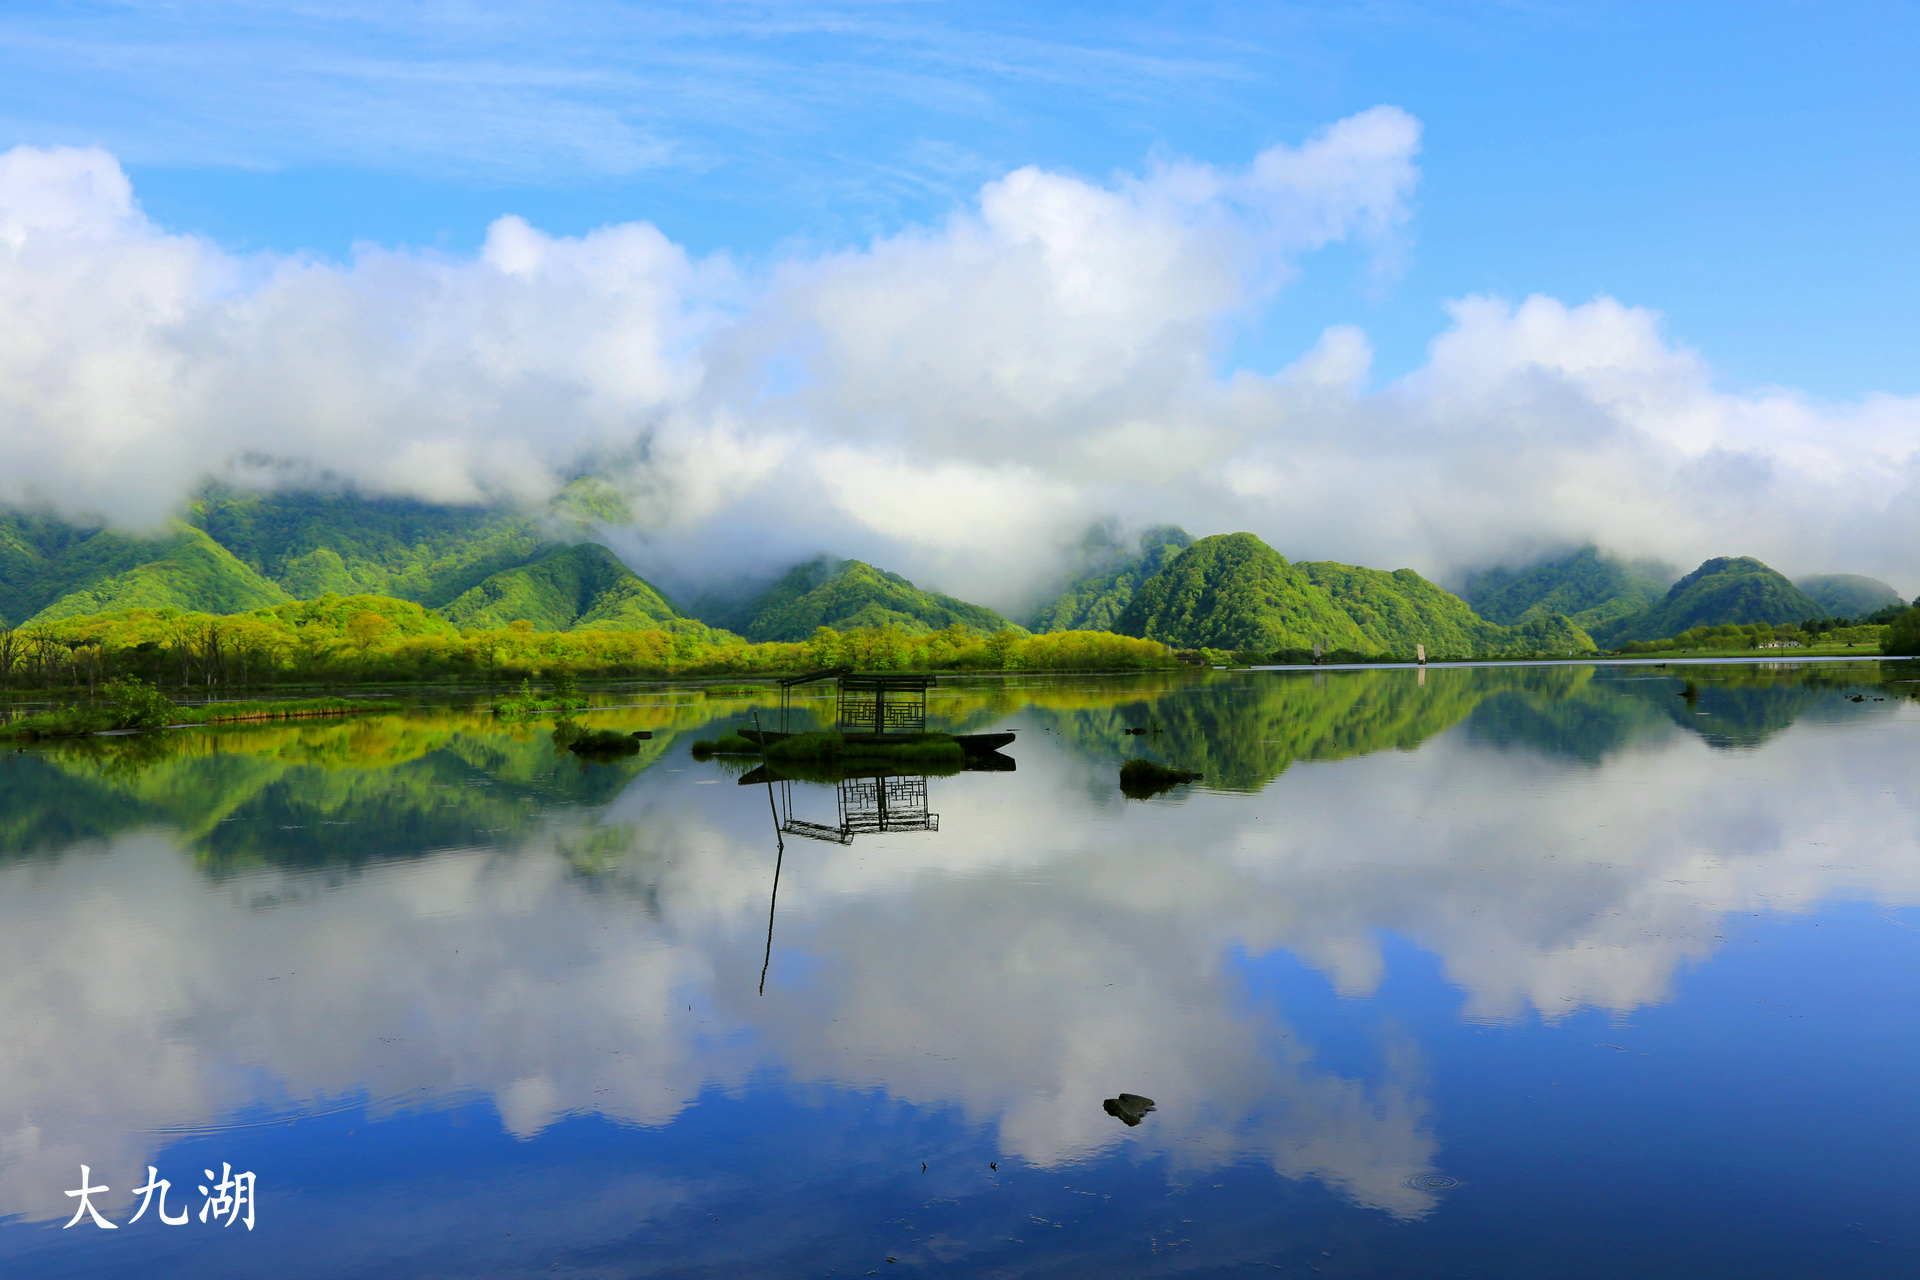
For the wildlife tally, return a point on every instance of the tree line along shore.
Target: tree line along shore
(372, 640)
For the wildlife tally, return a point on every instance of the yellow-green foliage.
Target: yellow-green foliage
(365, 637)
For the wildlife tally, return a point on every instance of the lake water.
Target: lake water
(1492, 972)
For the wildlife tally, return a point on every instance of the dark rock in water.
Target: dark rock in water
(645, 735)
(1144, 779)
(1129, 1108)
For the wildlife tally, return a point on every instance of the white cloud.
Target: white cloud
(950, 400)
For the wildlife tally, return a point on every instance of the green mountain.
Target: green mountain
(313, 543)
(1722, 590)
(241, 551)
(43, 558)
(1111, 573)
(1591, 589)
(183, 570)
(1847, 595)
(565, 589)
(1398, 610)
(1232, 591)
(844, 595)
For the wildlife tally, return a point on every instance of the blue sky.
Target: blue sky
(1221, 265)
(1748, 170)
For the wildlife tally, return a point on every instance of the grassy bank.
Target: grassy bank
(74, 722)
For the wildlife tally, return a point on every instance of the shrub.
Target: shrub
(137, 704)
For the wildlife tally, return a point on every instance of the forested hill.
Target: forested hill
(845, 595)
(564, 589)
(347, 544)
(1233, 591)
(1591, 589)
(484, 568)
(1848, 595)
(49, 570)
(481, 567)
(1726, 589)
(236, 552)
(1110, 573)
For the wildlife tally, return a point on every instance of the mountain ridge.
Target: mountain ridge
(843, 595)
(1094, 599)
(1234, 592)
(1724, 589)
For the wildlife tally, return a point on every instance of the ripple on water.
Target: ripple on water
(1432, 1182)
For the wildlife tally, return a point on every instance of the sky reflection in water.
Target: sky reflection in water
(1455, 973)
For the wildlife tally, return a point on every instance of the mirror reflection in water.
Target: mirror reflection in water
(1495, 971)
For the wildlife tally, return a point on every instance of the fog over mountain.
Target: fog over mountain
(952, 401)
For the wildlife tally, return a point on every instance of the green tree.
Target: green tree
(137, 704)
(1903, 634)
(823, 649)
(1001, 646)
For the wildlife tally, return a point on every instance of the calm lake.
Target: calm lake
(1516, 972)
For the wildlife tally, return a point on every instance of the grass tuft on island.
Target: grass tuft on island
(731, 745)
(1144, 779)
(604, 742)
(566, 697)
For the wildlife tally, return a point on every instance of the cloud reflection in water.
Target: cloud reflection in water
(1051, 946)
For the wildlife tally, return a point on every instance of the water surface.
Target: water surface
(1490, 972)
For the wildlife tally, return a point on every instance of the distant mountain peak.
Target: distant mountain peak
(1109, 569)
(826, 591)
(1724, 589)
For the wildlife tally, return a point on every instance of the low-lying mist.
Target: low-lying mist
(957, 402)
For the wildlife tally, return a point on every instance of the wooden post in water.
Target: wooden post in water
(780, 846)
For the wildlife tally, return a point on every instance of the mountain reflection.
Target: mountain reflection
(526, 931)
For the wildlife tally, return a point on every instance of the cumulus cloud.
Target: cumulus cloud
(949, 400)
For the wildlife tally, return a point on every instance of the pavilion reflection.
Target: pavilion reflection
(866, 801)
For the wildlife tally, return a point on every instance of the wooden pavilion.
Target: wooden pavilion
(873, 702)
